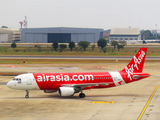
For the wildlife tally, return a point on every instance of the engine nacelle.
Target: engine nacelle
(66, 91)
(50, 91)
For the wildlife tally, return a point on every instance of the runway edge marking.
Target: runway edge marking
(148, 103)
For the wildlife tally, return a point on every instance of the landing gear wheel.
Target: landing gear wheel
(82, 95)
(27, 94)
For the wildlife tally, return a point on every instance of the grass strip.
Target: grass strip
(61, 61)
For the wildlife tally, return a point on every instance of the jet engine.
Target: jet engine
(66, 91)
(50, 91)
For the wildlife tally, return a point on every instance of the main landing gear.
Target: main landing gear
(82, 95)
(27, 94)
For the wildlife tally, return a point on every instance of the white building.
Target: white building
(127, 34)
(9, 35)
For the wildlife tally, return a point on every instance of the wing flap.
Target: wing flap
(84, 85)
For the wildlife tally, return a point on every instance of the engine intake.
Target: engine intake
(66, 91)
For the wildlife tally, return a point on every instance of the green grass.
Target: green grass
(55, 61)
(127, 51)
(60, 61)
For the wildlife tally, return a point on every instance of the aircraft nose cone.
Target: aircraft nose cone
(9, 84)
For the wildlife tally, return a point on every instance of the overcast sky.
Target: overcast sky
(106, 14)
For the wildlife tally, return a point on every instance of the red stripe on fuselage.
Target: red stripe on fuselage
(47, 81)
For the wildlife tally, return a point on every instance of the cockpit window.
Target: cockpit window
(17, 79)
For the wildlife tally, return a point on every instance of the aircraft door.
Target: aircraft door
(29, 81)
(123, 78)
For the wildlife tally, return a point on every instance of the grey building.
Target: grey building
(60, 34)
(156, 32)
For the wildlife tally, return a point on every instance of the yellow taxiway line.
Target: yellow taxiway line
(148, 103)
(103, 102)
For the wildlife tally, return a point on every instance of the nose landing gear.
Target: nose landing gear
(27, 94)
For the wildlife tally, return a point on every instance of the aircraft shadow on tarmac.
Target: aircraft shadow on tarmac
(88, 97)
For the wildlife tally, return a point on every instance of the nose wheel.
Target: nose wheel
(27, 94)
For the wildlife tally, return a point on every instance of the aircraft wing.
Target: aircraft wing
(84, 85)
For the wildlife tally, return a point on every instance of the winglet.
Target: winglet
(137, 62)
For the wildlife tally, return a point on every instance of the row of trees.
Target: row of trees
(147, 34)
(62, 46)
(83, 45)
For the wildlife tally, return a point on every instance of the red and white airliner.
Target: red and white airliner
(67, 84)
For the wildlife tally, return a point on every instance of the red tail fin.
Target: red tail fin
(137, 62)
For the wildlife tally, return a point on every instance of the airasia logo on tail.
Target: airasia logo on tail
(135, 65)
(139, 59)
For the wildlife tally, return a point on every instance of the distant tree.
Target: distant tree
(123, 42)
(71, 45)
(55, 45)
(62, 46)
(4, 27)
(114, 43)
(146, 35)
(38, 46)
(120, 47)
(76, 48)
(13, 45)
(102, 43)
(93, 46)
(84, 44)
(104, 49)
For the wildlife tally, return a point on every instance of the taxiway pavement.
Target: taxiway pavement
(138, 100)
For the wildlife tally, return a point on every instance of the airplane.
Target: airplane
(67, 84)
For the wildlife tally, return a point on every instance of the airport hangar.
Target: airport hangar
(127, 34)
(60, 34)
